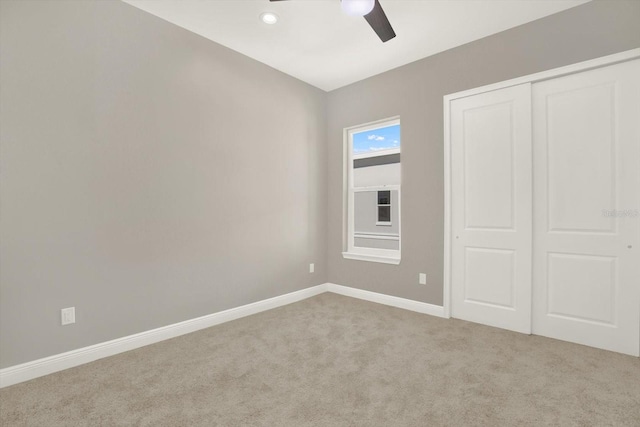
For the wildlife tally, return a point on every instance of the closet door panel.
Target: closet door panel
(586, 201)
(491, 208)
(581, 178)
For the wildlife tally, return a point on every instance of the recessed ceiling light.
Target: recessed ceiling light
(269, 18)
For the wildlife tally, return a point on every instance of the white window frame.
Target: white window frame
(387, 256)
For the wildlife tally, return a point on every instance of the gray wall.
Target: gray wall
(414, 92)
(149, 176)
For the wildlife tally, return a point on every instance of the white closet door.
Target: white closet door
(491, 208)
(586, 201)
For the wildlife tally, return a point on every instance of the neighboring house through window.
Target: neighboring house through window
(384, 208)
(373, 191)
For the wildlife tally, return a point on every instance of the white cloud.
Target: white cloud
(376, 137)
(379, 138)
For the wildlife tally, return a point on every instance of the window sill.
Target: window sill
(372, 258)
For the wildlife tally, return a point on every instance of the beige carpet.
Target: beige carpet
(336, 361)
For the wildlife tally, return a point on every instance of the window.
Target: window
(384, 208)
(372, 202)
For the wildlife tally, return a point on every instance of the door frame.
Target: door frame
(447, 99)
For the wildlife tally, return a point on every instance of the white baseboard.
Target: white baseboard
(407, 304)
(48, 365)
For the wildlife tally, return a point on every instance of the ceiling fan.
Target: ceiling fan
(373, 13)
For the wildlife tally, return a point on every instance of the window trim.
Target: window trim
(350, 251)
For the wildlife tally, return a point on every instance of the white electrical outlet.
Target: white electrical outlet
(422, 278)
(68, 315)
(312, 268)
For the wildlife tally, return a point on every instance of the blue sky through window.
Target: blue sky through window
(374, 140)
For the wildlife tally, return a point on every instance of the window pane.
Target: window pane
(384, 213)
(376, 157)
(376, 140)
(366, 215)
(384, 197)
(369, 230)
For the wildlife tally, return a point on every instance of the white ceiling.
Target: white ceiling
(316, 42)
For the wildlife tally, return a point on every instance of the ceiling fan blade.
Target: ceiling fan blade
(379, 22)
